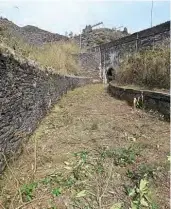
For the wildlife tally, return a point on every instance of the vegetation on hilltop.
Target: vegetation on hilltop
(31, 34)
(99, 36)
(36, 36)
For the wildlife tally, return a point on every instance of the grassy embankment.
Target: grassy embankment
(149, 69)
(57, 55)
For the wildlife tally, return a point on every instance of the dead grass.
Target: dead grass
(87, 144)
(149, 68)
(57, 55)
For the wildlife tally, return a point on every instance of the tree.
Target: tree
(70, 34)
(125, 30)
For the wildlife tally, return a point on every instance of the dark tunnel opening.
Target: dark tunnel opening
(110, 74)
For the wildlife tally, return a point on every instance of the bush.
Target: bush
(148, 69)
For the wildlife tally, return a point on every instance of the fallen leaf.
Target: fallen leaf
(144, 202)
(143, 186)
(66, 163)
(116, 206)
(132, 192)
(81, 194)
(132, 138)
(134, 204)
(68, 168)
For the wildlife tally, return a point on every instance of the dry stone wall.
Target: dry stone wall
(26, 94)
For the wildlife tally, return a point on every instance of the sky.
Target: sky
(72, 15)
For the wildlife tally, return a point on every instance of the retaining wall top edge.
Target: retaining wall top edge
(139, 90)
(36, 66)
(165, 27)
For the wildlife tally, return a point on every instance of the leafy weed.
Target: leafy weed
(56, 192)
(27, 191)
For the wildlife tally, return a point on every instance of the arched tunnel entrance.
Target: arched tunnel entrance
(110, 74)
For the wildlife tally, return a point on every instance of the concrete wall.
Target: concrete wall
(114, 52)
(154, 101)
(26, 94)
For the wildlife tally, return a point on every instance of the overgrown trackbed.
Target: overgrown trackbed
(91, 151)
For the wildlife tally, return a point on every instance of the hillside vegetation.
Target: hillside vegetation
(57, 55)
(30, 34)
(149, 68)
(99, 36)
(36, 36)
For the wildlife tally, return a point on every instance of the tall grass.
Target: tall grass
(57, 55)
(148, 69)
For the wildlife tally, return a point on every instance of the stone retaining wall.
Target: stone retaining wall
(112, 53)
(26, 94)
(154, 101)
(89, 64)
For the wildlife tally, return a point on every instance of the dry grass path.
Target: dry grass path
(115, 148)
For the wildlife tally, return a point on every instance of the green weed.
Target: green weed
(47, 180)
(27, 191)
(56, 192)
(121, 156)
(82, 156)
(99, 168)
(141, 171)
(140, 195)
(69, 182)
